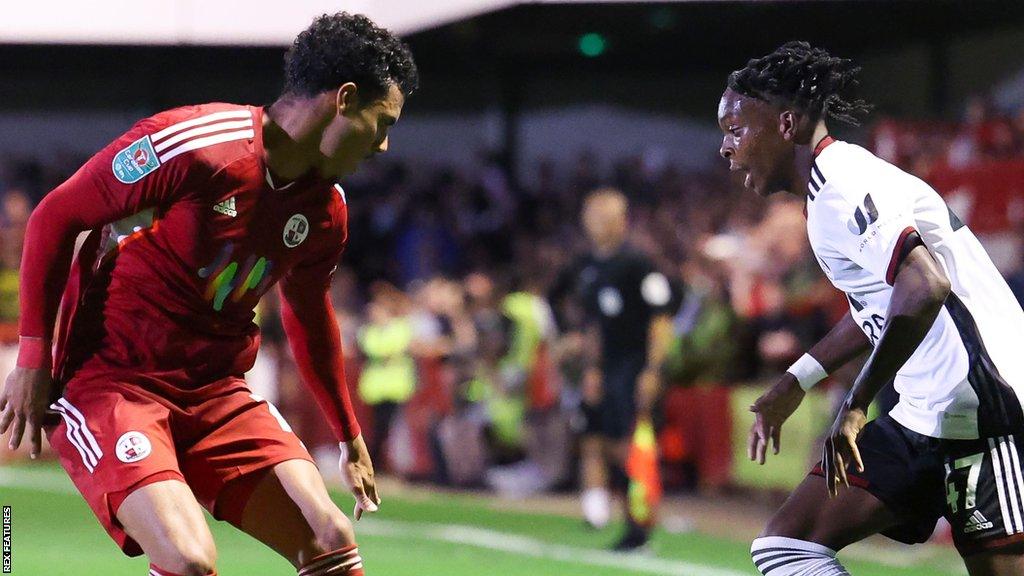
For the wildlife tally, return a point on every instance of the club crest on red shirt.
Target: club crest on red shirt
(296, 230)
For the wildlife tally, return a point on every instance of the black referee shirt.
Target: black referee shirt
(621, 293)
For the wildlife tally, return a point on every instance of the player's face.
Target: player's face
(754, 142)
(359, 130)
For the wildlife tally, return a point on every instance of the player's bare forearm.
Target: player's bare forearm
(845, 342)
(919, 291)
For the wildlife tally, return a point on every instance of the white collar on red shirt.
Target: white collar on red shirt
(270, 181)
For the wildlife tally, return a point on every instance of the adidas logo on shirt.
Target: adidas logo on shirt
(226, 207)
(976, 523)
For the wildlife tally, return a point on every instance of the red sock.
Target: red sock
(341, 562)
(155, 570)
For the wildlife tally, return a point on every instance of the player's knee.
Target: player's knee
(334, 533)
(341, 562)
(201, 561)
(784, 526)
(194, 564)
(780, 556)
(199, 568)
(196, 559)
(797, 527)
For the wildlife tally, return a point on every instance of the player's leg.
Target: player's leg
(983, 482)
(290, 511)
(167, 522)
(115, 442)
(807, 531)
(899, 494)
(250, 469)
(1004, 562)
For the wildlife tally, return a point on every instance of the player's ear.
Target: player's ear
(347, 98)
(788, 125)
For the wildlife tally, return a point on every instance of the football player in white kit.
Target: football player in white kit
(927, 301)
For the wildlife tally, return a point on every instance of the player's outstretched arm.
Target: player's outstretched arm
(919, 291)
(313, 333)
(94, 196)
(842, 344)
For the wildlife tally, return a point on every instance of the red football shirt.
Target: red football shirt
(188, 231)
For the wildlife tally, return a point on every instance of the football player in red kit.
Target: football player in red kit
(192, 215)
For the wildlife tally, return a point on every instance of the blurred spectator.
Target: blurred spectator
(14, 216)
(388, 376)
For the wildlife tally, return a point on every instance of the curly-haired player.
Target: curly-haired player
(927, 301)
(193, 215)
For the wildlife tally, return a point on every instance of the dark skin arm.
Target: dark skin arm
(919, 291)
(845, 342)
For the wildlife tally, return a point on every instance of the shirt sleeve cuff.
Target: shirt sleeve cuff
(898, 254)
(34, 352)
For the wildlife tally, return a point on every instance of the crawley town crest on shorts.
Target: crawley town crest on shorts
(132, 447)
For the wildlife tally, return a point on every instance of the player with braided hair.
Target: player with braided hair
(925, 300)
(809, 78)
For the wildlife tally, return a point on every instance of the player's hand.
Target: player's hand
(841, 448)
(357, 470)
(770, 411)
(23, 402)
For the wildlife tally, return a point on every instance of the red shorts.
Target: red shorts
(116, 437)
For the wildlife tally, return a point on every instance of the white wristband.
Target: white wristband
(807, 371)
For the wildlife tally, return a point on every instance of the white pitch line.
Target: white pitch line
(52, 482)
(526, 546)
(57, 483)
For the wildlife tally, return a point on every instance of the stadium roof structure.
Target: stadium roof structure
(219, 22)
(706, 35)
(513, 54)
(243, 22)
(943, 40)
(212, 22)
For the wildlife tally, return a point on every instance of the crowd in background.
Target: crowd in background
(985, 133)
(460, 373)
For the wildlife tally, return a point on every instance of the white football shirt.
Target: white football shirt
(965, 379)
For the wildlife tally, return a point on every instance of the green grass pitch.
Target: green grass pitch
(55, 534)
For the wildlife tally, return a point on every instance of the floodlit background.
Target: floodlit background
(524, 107)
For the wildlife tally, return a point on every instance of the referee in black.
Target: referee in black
(629, 303)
